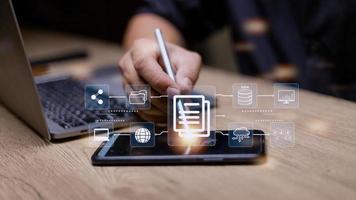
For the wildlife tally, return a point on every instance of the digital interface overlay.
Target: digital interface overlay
(191, 118)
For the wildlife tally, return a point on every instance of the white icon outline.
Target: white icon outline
(282, 134)
(101, 138)
(287, 104)
(136, 135)
(281, 98)
(138, 94)
(134, 126)
(241, 137)
(244, 142)
(205, 125)
(138, 97)
(96, 97)
(244, 95)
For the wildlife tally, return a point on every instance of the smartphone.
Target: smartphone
(118, 151)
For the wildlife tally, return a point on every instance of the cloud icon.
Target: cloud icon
(240, 134)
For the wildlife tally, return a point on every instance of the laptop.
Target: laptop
(52, 106)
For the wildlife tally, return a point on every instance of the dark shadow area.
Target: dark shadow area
(105, 19)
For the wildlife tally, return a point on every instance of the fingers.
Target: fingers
(189, 64)
(151, 71)
(131, 77)
(142, 65)
(143, 62)
(128, 70)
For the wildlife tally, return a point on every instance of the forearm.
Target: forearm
(142, 26)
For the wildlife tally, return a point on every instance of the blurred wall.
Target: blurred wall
(104, 19)
(217, 50)
(107, 19)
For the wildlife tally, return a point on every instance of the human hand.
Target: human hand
(142, 64)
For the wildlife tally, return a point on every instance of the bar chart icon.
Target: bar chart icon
(191, 114)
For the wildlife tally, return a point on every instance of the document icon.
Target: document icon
(138, 97)
(191, 114)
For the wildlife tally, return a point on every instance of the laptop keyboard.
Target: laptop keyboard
(63, 102)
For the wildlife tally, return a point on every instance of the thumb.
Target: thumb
(187, 75)
(185, 84)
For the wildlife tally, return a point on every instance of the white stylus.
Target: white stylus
(169, 70)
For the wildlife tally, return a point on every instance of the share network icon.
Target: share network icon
(97, 97)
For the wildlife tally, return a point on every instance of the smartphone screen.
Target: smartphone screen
(119, 151)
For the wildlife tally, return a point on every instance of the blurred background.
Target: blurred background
(326, 30)
(104, 19)
(107, 20)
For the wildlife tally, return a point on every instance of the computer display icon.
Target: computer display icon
(286, 96)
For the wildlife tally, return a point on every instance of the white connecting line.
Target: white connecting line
(128, 134)
(117, 97)
(124, 97)
(161, 96)
(224, 95)
(123, 134)
(166, 96)
(265, 95)
(266, 134)
(221, 133)
(259, 95)
(161, 133)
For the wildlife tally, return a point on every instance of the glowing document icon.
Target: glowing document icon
(191, 115)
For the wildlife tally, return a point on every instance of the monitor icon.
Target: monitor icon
(286, 96)
(101, 134)
(191, 115)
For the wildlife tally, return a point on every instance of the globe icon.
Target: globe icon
(142, 135)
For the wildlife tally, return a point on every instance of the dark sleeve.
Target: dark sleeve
(196, 19)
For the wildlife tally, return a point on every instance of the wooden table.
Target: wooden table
(321, 165)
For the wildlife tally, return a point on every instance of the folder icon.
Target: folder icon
(191, 116)
(138, 97)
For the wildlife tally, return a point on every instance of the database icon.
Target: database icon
(244, 95)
